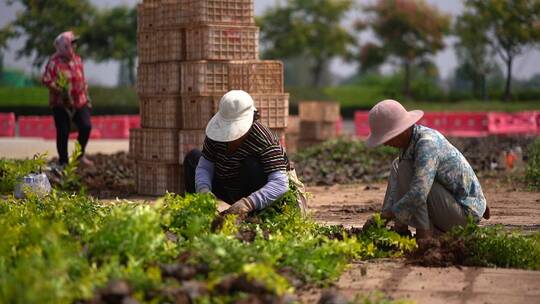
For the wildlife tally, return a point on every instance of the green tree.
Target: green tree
(408, 31)
(473, 52)
(307, 29)
(113, 35)
(39, 22)
(509, 27)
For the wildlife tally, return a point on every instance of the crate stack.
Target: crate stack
(191, 52)
(317, 122)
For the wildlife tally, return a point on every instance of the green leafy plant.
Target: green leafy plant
(71, 180)
(81, 244)
(63, 82)
(496, 247)
(532, 173)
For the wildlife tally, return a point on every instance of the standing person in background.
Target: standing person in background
(68, 95)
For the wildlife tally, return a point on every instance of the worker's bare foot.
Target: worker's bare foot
(85, 161)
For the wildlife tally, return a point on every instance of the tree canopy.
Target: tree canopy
(408, 31)
(309, 29)
(508, 26)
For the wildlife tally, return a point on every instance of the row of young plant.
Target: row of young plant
(68, 247)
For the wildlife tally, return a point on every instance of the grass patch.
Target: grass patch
(39, 97)
(365, 97)
(532, 173)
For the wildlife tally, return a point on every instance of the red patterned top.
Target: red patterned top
(73, 70)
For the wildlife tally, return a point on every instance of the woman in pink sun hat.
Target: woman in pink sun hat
(431, 186)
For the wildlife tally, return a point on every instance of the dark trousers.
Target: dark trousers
(62, 121)
(230, 190)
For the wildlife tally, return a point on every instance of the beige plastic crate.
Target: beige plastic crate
(293, 124)
(172, 45)
(238, 12)
(273, 108)
(160, 145)
(147, 77)
(327, 111)
(256, 76)
(189, 140)
(177, 13)
(147, 15)
(291, 142)
(161, 111)
(204, 78)
(315, 130)
(174, 13)
(197, 111)
(154, 178)
(217, 42)
(168, 80)
(146, 46)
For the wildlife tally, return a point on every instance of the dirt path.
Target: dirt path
(437, 285)
(351, 205)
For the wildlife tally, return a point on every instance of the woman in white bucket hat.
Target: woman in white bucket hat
(242, 161)
(431, 186)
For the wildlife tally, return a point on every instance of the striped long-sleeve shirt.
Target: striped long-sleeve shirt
(261, 143)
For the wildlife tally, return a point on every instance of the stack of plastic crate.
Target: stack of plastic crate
(191, 52)
(317, 122)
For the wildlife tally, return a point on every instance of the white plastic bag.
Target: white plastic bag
(37, 184)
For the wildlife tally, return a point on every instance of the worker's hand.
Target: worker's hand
(242, 206)
(387, 215)
(372, 222)
(204, 190)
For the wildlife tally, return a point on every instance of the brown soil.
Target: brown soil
(511, 205)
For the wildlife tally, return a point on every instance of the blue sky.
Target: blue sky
(106, 73)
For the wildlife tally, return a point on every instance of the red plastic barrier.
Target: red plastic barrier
(134, 121)
(339, 125)
(361, 123)
(467, 124)
(513, 123)
(37, 126)
(7, 124)
(112, 127)
(435, 120)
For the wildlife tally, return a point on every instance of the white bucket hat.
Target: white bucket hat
(388, 119)
(234, 117)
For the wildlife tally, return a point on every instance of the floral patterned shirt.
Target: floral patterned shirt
(436, 159)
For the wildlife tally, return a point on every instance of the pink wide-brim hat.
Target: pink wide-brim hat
(388, 119)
